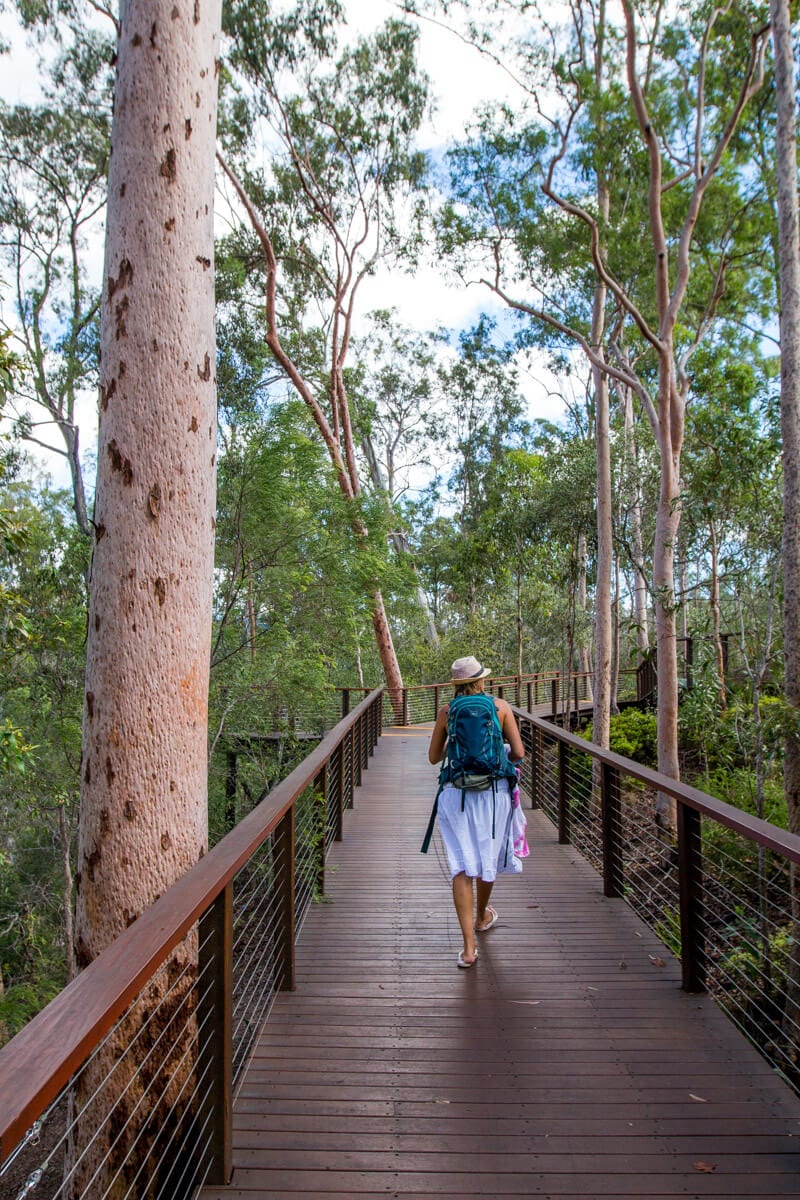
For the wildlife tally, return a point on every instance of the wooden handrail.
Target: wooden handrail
(491, 679)
(755, 828)
(37, 1063)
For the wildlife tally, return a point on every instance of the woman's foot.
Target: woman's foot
(465, 959)
(490, 917)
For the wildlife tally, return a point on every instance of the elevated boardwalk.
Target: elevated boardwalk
(566, 1063)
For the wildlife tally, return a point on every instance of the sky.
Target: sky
(461, 79)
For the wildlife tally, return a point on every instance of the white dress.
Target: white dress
(471, 847)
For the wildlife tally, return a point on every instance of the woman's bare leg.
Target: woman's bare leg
(484, 891)
(463, 900)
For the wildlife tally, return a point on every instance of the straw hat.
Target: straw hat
(468, 670)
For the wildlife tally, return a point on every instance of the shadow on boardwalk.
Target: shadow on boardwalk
(566, 1063)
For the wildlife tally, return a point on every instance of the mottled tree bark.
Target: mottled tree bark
(789, 275)
(605, 542)
(143, 797)
(583, 604)
(144, 768)
(716, 615)
(637, 546)
(601, 712)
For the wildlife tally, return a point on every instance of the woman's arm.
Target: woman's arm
(439, 736)
(511, 733)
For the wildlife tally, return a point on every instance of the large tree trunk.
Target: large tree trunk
(667, 521)
(391, 667)
(789, 301)
(143, 798)
(637, 544)
(585, 650)
(716, 617)
(519, 621)
(603, 631)
(605, 550)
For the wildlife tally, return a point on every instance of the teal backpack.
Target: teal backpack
(475, 757)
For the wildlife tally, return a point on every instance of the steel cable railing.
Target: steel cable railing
(122, 1088)
(719, 887)
(123, 1074)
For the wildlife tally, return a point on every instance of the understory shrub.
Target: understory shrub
(632, 733)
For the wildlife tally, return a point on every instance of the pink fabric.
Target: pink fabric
(519, 822)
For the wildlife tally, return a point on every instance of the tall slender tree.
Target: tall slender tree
(789, 278)
(325, 213)
(54, 162)
(143, 803)
(658, 160)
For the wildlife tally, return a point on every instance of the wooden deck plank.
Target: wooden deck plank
(565, 1063)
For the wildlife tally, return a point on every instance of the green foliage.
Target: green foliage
(40, 721)
(22, 1001)
(703, 730)
(755, 964)
(633, 734)
(10, 366)
(14, 750)
(737, 786)
(668, 930)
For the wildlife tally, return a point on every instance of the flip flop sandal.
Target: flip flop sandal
(494, 920)
(461, 961)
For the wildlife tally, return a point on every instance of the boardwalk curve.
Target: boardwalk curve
(567, 1063)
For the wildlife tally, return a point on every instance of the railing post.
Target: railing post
(215, 1020)
(537, 768)
(500, 691)
(375, 730)
(364, 723)
(554, 696)
(338, 798)
(563, 793)
(405, 705)
(575, 694)
(284, 873)
(530, 701)
(356, 755)
(321, 785)
(350, 744)
(345, 702)
(435, 701)
(611, 811)
(518, 690)
(690, 890)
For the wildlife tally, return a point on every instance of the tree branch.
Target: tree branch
(273, 339)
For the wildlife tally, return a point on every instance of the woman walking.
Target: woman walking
(475, 823)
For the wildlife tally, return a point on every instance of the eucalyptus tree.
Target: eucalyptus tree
(399, 419)
(789, 307)
(53, 166)
(483, 417)
(289, 595)
(525, 198)
(143, 819)
(729, 470)
(333, 200)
